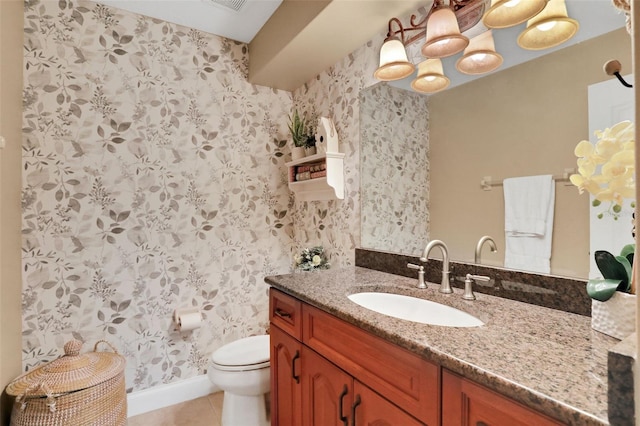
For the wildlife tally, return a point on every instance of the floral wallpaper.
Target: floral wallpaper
(337, 224)
(153, 179)
(394, 169)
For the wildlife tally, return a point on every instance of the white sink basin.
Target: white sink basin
(414, 309)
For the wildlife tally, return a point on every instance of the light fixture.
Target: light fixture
(442, 26)
(430, 77)
(507, 13)
(443, 34)
(480, 56)
(549, 28)
(394, 64)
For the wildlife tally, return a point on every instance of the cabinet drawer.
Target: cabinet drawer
(405, 379)
(285, 312)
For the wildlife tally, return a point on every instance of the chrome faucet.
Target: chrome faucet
(445, 286)
(485, 239)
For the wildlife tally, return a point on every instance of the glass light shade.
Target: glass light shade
(430, 77)
(394, 64)
(507, 13)
(443, 35)
(549, 28)
(480, 56)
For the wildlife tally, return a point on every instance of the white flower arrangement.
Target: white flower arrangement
(614, 152)
(311, 259)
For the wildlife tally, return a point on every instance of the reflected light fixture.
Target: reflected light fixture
(507, 13)
(480, 56)
(430, 77)
(443, 34)
(549, 28)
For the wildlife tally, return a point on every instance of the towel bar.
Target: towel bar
(487, 183)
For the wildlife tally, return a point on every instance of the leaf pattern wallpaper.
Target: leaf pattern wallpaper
(334, 93)
(394, 169)
(154, 178)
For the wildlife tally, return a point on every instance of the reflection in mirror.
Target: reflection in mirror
(394, 169)
(522, 121)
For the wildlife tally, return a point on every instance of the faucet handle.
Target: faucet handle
(478, 277)
(468, 285)
(420, 269)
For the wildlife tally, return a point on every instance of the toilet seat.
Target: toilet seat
(249, 353)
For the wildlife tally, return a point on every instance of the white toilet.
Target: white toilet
(241, 370)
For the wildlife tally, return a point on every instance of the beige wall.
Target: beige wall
(10, 123)
(525, 120)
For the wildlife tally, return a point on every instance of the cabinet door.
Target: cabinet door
(327, 392)
(369, 408)
(404, 378)
(286, 389)
(465, 403)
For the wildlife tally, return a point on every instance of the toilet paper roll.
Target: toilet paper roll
(187, 320)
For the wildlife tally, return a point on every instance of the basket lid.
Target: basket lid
(71, 372)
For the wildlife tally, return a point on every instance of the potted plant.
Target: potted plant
(298, 129)
(613, 303)
(310, 144)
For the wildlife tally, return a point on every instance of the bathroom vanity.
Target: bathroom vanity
(335, 362)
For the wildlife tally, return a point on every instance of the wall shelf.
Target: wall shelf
(329, 187)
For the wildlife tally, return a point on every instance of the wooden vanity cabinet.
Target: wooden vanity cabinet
(405, 379)
(343, 375)
(327, 392)
(286, 390)
(331, 397)
(465, 403)
(325, 371)
(285, 316)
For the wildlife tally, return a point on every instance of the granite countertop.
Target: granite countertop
(549, 360)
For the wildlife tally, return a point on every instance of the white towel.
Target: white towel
(528, 215)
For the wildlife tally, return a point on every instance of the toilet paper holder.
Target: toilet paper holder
(187, 319)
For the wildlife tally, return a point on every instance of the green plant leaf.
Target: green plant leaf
(298, 128)
(627, 250)
(627, 266)
(602, 290)
(610, 268)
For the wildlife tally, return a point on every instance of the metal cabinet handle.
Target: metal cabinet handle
(293, 367)
(282, 314)
(344, 419)
(357, 402)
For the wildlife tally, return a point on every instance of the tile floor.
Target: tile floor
(204, 411)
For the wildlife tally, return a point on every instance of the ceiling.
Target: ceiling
(235, 19)
(291, 41)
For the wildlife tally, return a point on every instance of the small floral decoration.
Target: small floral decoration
(311, 259)
(607, 169)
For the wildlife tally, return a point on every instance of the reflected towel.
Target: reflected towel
(529, 204)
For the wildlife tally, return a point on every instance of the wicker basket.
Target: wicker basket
(74, 389)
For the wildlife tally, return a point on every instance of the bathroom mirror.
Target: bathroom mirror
(523, 120)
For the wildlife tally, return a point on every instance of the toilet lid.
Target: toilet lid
(243, 352)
